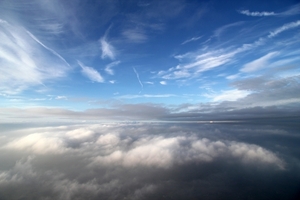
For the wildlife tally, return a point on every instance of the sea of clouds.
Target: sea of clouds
(149, 161)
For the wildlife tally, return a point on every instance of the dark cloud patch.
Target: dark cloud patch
(147, 161)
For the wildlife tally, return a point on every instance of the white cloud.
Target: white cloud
(107, 49)
(49, 49)
(105, 161)
(111, 145)
(165, 152)
(257, 14)
(147, 96)
(136, 36)
(163, 82)
(219, 31)
(195, 63)
(30, 62)
(260, 63)
(198, 63)
(177, 74)
(91, 73)
(228, 95)
(294, 10)
(149, 82)
(283, 28)
(82, 134)
(109, 67)
(38, 144)
(234, 76)
(61, 97)
(191, 40)
(138, 77)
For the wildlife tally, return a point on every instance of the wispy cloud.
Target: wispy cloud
(257, 14)
(294, 10)
(91, 73)
(149, 82)
(108, 51)
(31, 61)
(222, 29)
(192, 39)
(61, 97)
(53, 27)
(233, 76)
(136, 36)
(259, 63)
(49, 49)
(197, 63)
(109, 67)
(227, 95)
(138, 77)
(194, 63)
(283, 28)
(147, 96)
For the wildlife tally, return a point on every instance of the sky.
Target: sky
(149, 99)
(110, 57)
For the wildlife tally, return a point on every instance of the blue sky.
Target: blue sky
(147, 59)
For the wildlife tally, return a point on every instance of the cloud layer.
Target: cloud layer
(138, 161)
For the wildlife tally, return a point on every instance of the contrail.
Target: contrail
(138, 77)
(49, 49)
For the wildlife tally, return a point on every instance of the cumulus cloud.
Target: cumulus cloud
(109, 161)
(37, 143)
(166, 152)
(163, 82)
